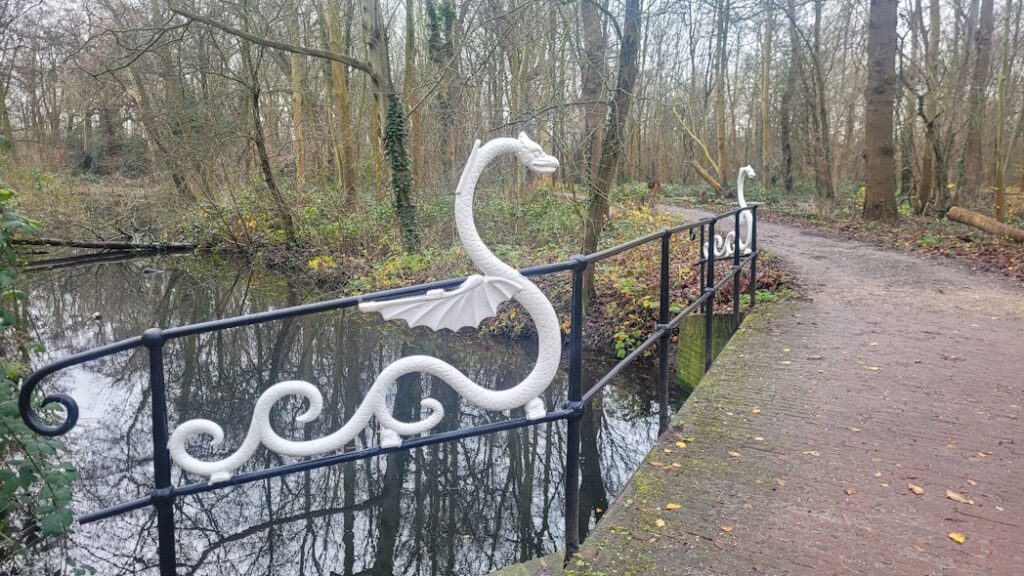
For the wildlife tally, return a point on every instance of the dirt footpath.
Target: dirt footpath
(863, 429)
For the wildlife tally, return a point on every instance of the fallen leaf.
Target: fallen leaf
(672, 506)
(958, 498)
(780, 482)
(668, 451)
(677, 465)
(756, 410)
(734, 454)
(915, 489)
(681, 444)
(956, 537)
(598, 510)
(656, 464)
(999, 508)
(850, 491)
(659, 523)
(726, 528)
(972, 482)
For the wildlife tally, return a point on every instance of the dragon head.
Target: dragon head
(532, 156)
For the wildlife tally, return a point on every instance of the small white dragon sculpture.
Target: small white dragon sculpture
(477, 298)
(725, 247)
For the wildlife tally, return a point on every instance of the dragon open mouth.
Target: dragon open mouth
(544, 164)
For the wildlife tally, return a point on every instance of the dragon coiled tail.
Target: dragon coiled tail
(261, 431)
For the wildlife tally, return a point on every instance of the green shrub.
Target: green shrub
(35, 483)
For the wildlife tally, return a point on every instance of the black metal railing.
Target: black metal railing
(153, 340)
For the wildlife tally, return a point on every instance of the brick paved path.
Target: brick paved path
(894, 370)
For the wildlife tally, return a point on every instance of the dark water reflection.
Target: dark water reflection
(459, 508)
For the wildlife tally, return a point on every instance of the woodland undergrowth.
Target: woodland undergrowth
(345, 252)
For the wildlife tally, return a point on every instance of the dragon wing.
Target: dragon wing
(474, 300)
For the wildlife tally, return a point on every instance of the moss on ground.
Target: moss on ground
(629, 528)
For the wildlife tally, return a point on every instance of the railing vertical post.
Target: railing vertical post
(663, 344)
(575, 394)
(753, 255)
(709, 304)
(736, 270)
(703, 258)
(163, 494)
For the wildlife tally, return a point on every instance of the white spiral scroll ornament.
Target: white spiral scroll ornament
(725, 247)
(474, 300)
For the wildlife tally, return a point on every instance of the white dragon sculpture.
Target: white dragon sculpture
(477, 298)
(725, 247)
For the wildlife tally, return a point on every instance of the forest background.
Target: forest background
(337, 128)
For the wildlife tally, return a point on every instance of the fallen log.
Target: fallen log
(985, 223)
(107, 244)
(83, 259)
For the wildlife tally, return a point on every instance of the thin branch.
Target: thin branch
(314, 52)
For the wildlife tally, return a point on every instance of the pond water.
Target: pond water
(463, 508)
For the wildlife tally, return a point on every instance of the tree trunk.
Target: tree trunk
(592, 72)
(107, 244)
(880, 168)
(443, 53)
(786, 120)
(822, 145)
(985, 224)
(722, 69)
(766, 64)
(342, 108)
(976, 103)
(907, 94)
(1001, 147)
(926, 191)
(393, 122)
(296, 78)
(408, 86)
(611, 149)
(277, 199)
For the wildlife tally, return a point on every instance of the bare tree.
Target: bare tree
(879, 100)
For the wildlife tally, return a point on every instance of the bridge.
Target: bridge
(871, 426)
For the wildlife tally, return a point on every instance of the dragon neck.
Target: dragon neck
(739, 189)
(549, 345)
(482, 257)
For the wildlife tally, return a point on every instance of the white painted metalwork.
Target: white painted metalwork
(725, 247)
(471, 302)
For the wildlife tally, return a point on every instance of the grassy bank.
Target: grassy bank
(352, 252)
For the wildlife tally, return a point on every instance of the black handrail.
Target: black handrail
(164, 492)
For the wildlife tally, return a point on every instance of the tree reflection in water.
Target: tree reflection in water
(466, 507)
